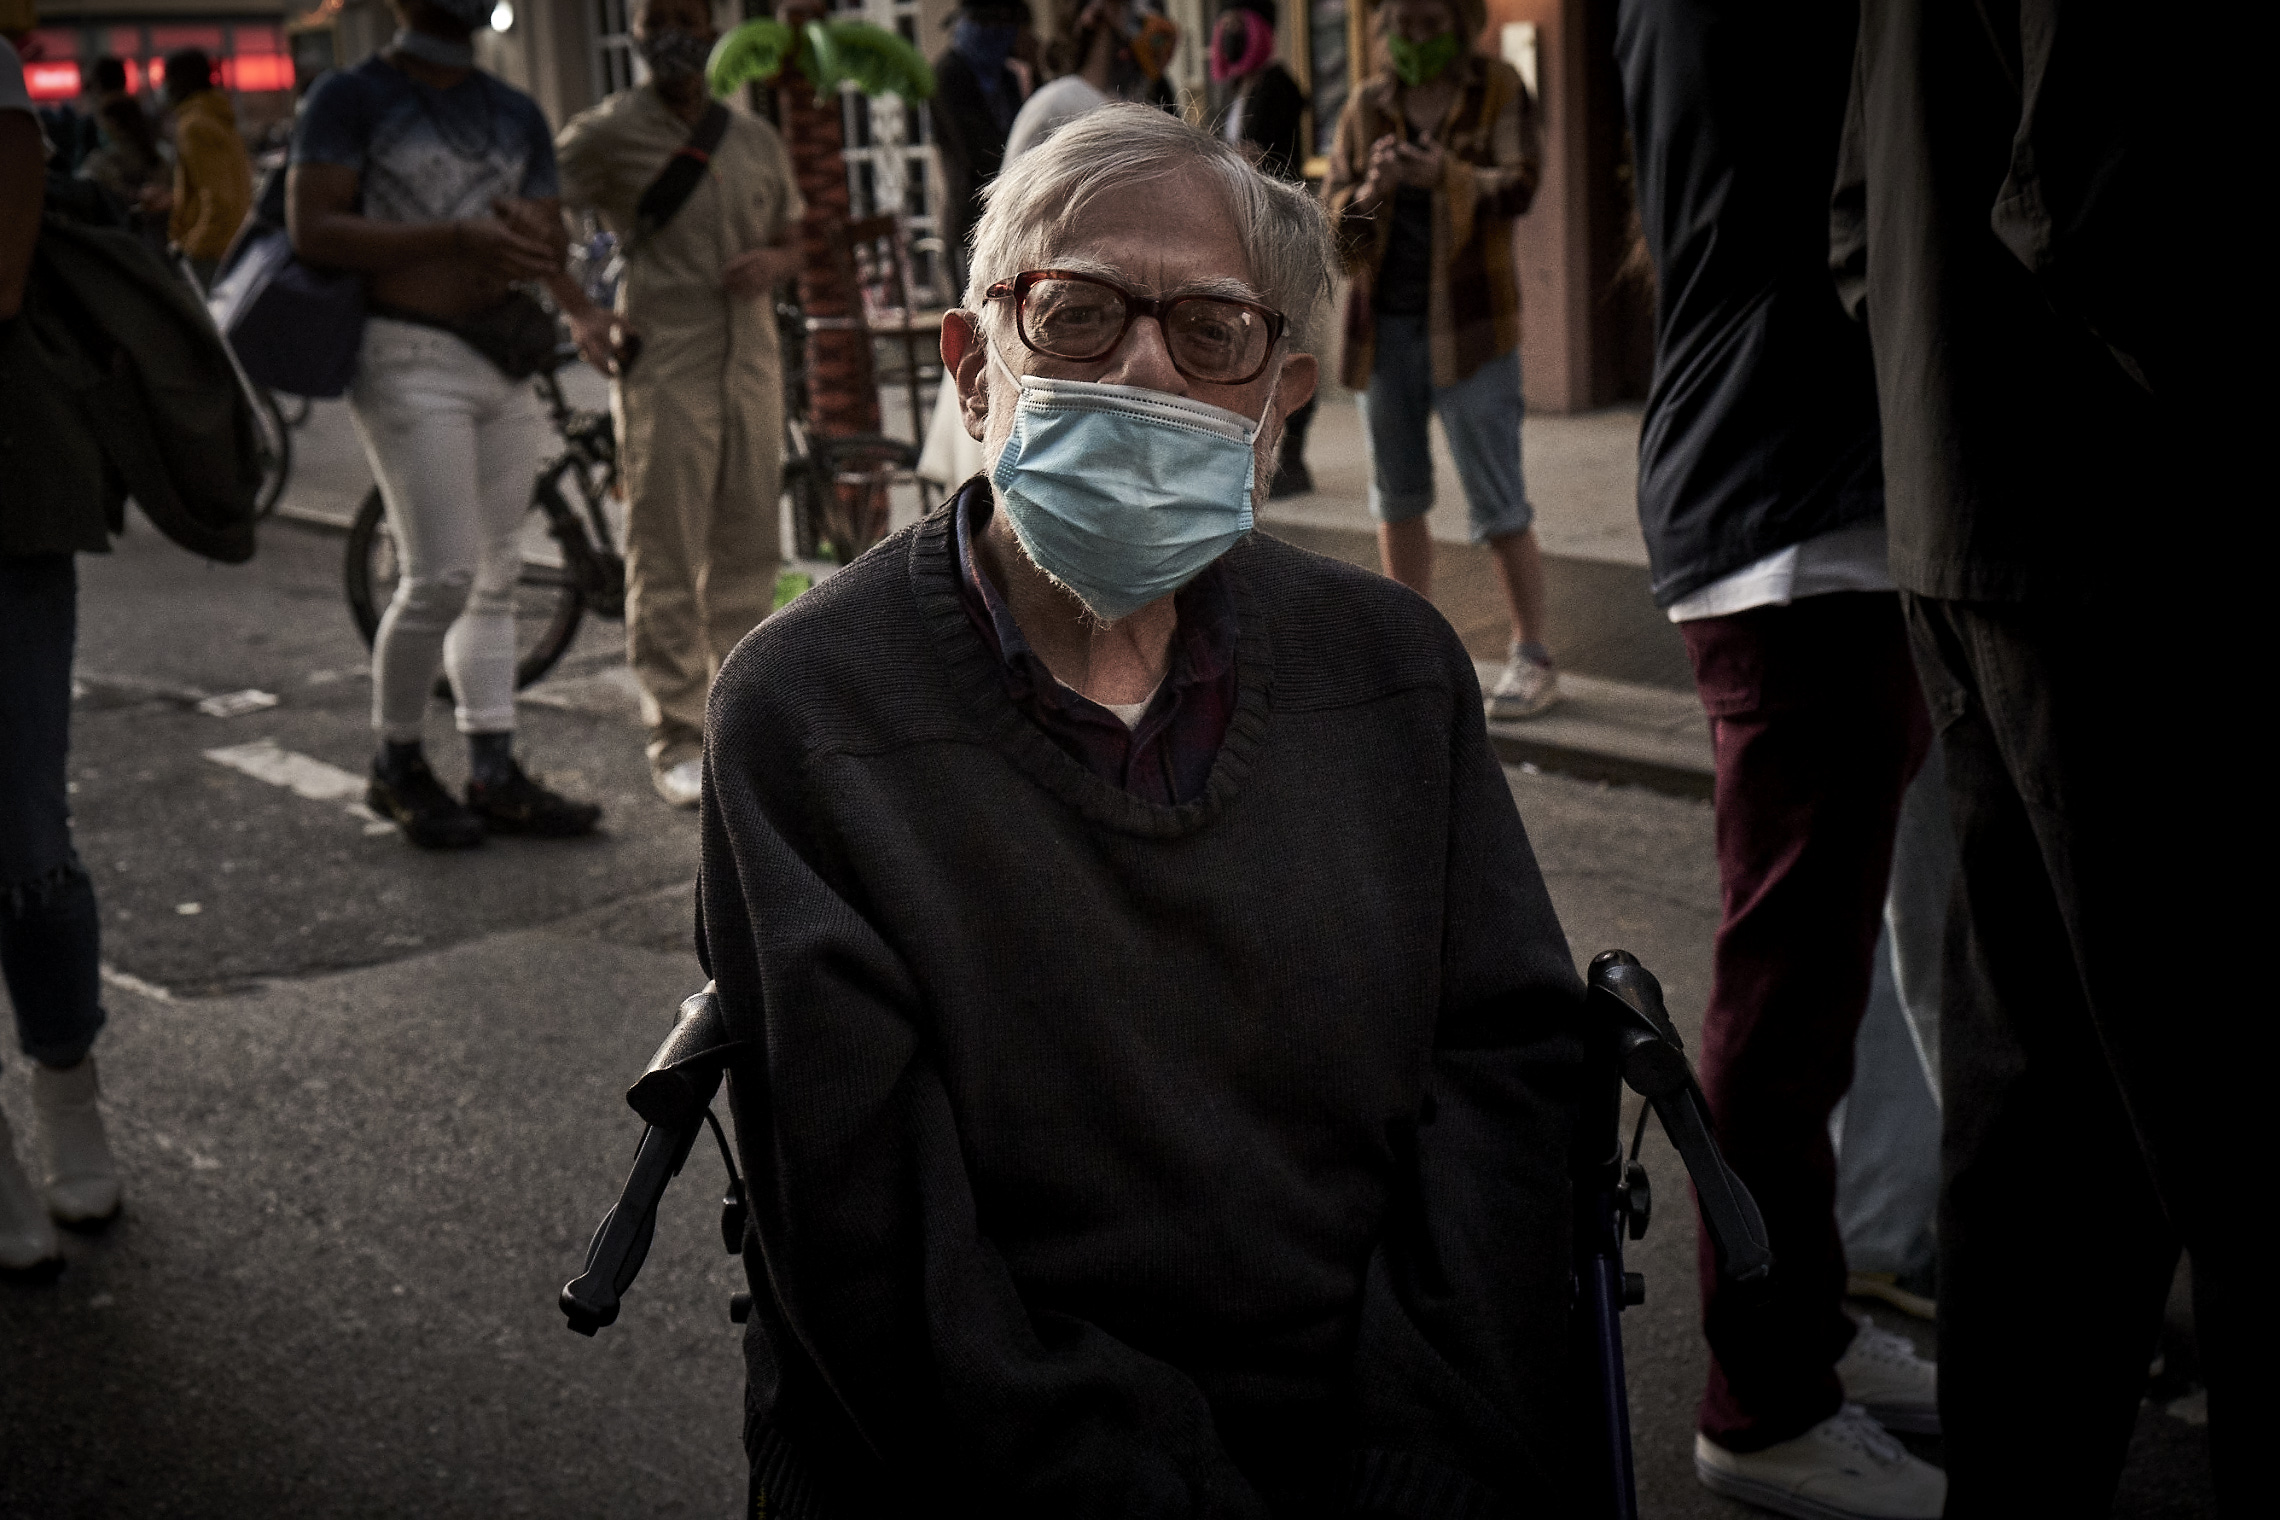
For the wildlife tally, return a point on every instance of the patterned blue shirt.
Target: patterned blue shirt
(423, 154)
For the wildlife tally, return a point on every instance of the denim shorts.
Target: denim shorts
(1480, 413)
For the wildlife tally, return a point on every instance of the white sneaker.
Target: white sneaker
(682, 785)
(1899, 1389)
(1525, 689)
(1845, 1468)
(82, 1179)
(28, 1246)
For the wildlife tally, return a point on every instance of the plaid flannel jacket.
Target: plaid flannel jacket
(1493, 155)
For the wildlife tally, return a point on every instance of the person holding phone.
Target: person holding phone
(1433, 160)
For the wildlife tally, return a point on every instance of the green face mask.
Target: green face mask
(1422, 62)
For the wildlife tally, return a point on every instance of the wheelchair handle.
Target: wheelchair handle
(1652, 1059)
(675, 1096)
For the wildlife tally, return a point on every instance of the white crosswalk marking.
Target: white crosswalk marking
(298, 774)
(263, 760)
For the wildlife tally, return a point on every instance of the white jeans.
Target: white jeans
(455, 446)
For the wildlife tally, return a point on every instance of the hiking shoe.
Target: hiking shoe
(1525, 689)
(1845, 1468)
(1899, 1389)
(520, 805)
(416, 802)
(682, 785)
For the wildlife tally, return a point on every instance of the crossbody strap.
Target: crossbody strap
(678, 180)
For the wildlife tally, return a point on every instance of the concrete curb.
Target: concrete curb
(1613, 731)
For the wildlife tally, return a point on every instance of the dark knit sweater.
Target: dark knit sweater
(1118, 1159)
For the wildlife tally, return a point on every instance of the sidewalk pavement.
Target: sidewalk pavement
(1629, 713)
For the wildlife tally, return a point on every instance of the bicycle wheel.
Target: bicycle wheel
(273, 445)
(547, 602)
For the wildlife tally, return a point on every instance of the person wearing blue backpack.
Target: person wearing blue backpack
(438, 182)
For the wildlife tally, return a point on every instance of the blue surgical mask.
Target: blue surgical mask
(1120, 493)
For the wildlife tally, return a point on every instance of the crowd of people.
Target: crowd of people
(1231, 1176)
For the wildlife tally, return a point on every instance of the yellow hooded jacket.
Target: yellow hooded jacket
(213, 178)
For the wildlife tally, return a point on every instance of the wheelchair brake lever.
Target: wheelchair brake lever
(1652, 1059)
(621, 1242)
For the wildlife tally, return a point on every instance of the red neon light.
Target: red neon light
(52, 81)
(262, 71)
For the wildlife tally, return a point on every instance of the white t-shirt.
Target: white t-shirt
(1843, 559)
(1052, 106)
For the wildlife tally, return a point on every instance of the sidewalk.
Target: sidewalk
(1629, 713)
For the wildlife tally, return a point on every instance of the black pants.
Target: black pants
(2091, 1079)
(48, 927)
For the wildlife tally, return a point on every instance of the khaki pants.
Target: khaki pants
(700, 435)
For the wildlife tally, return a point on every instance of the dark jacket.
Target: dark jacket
(1760, 429)
(2006, 207)
(113, 383)
(1273, 109)
(969, 134)
(1118, 1159)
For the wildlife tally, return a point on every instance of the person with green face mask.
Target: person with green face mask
(1432, 161)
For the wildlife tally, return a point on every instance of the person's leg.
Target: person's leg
(2052, 1059)
(1481, 414)
(1816, 726)
(1916, 908)
(511, 439)
(49, 931)
(1888, 1151)
(744, 535)
(1397, 411)
(669, 426)
(418, 427)
(416, 418)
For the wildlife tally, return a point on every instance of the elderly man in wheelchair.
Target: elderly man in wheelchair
(1153, 1053)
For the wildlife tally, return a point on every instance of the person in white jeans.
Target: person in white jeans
(453, 442)
(439, 182)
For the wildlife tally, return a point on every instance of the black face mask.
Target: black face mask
(674, 54)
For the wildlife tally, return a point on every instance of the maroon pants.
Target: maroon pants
(1817, 724)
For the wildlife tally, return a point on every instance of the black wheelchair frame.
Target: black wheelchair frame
(1630, 1041)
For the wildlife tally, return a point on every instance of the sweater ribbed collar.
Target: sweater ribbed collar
(973, 673)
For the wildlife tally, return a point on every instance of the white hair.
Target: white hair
(1040, 198)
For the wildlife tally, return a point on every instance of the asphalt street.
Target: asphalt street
(369, 1102)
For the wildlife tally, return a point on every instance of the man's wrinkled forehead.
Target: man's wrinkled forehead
(1169, 236)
